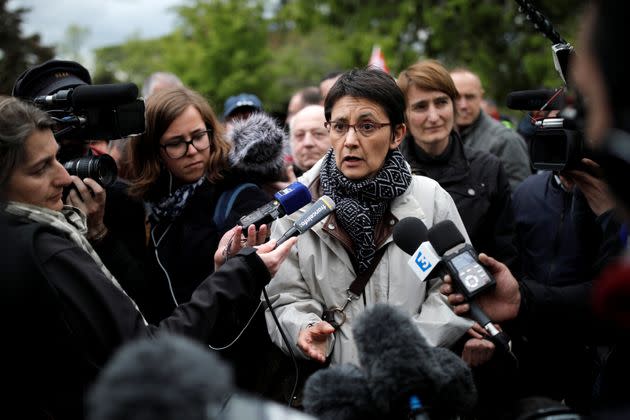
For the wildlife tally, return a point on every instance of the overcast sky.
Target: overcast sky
(110, 21)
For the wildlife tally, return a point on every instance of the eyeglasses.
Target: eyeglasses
(365, 128)
(178, 147)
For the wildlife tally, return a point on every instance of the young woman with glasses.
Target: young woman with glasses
(181, 166)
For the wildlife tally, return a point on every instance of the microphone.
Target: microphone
(534, 100)
(340, 392)
(320, 209)
(447, 247)
(86, 96)
(286, 201)
(401, 368)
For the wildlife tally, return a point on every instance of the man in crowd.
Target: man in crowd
(479, 131)
(307, 96)
(309, 138)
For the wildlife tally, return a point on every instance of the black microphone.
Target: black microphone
(340, 392)
(401, 368)
(86, 96)
(320, 209)
(457, 257)
(534, 100)
(286, 201)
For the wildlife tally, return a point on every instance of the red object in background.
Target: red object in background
(611, 293)
(377, 59)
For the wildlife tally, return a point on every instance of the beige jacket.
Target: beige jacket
(318, 271)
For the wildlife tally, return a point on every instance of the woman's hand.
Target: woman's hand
(477, 351)
(90, 197)
(313, 340)
(272, 256)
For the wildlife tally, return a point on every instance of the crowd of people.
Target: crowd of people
(87, 268)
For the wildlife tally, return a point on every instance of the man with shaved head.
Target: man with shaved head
(479, 131)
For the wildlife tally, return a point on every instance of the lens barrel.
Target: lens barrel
(101, 168)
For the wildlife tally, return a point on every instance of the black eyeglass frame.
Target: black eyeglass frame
(195, 136)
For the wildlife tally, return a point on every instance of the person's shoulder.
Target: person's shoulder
(422, 182)
(482, 159)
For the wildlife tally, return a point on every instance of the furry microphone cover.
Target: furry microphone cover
(258, 144)
(340, 392)
(399, 363)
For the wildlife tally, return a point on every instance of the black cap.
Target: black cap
(49, 77)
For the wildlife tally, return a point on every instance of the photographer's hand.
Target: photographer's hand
(594, 189)
(90, 197)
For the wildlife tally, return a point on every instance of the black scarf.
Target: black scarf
(171, 206)
(360, 205)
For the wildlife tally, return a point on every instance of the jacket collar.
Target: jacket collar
(450, 167)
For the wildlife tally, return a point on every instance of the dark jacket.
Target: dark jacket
(65, 318)
(180, 256)
(488, 135)
(479, 186)
(181, 253)
(554, 250)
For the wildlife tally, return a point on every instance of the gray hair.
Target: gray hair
(160, 80)
(18, 121)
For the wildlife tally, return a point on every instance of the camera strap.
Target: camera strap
(336, 316)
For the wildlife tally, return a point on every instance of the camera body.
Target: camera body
(95, 112)
(82, 112)
(556, 146)
(557, 143)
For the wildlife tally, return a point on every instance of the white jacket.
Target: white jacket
(318, 271)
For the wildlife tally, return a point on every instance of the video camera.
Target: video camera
(82, 112)
(558, 142)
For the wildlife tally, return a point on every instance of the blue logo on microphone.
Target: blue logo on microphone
(423, 263)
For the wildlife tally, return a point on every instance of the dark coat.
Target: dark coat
(65, 318)
(180, 254)
(481, 191)
(185, 248)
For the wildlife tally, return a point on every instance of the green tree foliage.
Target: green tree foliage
(74, 39)
(17, 52)
(222, 47)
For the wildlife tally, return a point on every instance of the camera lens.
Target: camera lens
(102, 168)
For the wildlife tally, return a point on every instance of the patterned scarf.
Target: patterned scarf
(360, 205)
(172, 205)
(71, 222)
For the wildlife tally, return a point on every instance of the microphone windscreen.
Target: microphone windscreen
(399, 363)
(85, 96)
(258, 147)
(444, 235)
(293, 197)
(533, 100)
(167, 377)
(409, 233)
(339, 393)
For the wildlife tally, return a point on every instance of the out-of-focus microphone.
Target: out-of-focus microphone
(340, 392)
(534, 100)
(401, 368)
(320, 209)
(85, 96)
(286, 201)
(447, 247)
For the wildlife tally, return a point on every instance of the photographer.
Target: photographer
(115, 221)
(600, 74)
(65, 312)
